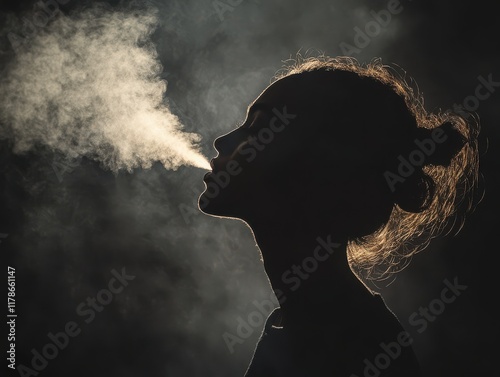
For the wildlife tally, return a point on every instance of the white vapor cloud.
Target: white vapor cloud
(89, 85)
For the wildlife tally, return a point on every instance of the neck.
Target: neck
(308, 272)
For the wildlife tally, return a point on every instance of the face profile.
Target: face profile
(270, 160)
(247, 155)
(319, 161)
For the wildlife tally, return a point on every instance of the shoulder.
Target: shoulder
(344, 345)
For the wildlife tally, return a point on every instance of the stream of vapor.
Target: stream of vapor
(89, 85)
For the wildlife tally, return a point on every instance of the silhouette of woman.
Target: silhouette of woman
(339, 172)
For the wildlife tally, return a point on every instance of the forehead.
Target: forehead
(304, 91)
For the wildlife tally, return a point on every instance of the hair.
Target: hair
(435, 198)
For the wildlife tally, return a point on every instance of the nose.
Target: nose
(219, 143)
(227, 144)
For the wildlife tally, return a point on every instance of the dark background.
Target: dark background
(195, 275)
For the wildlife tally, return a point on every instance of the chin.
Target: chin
(216, 206)
(211, 206)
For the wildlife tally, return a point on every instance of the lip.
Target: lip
(205, 177)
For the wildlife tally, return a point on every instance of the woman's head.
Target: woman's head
(348, 150)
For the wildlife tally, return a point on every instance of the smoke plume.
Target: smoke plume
(89, 85)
